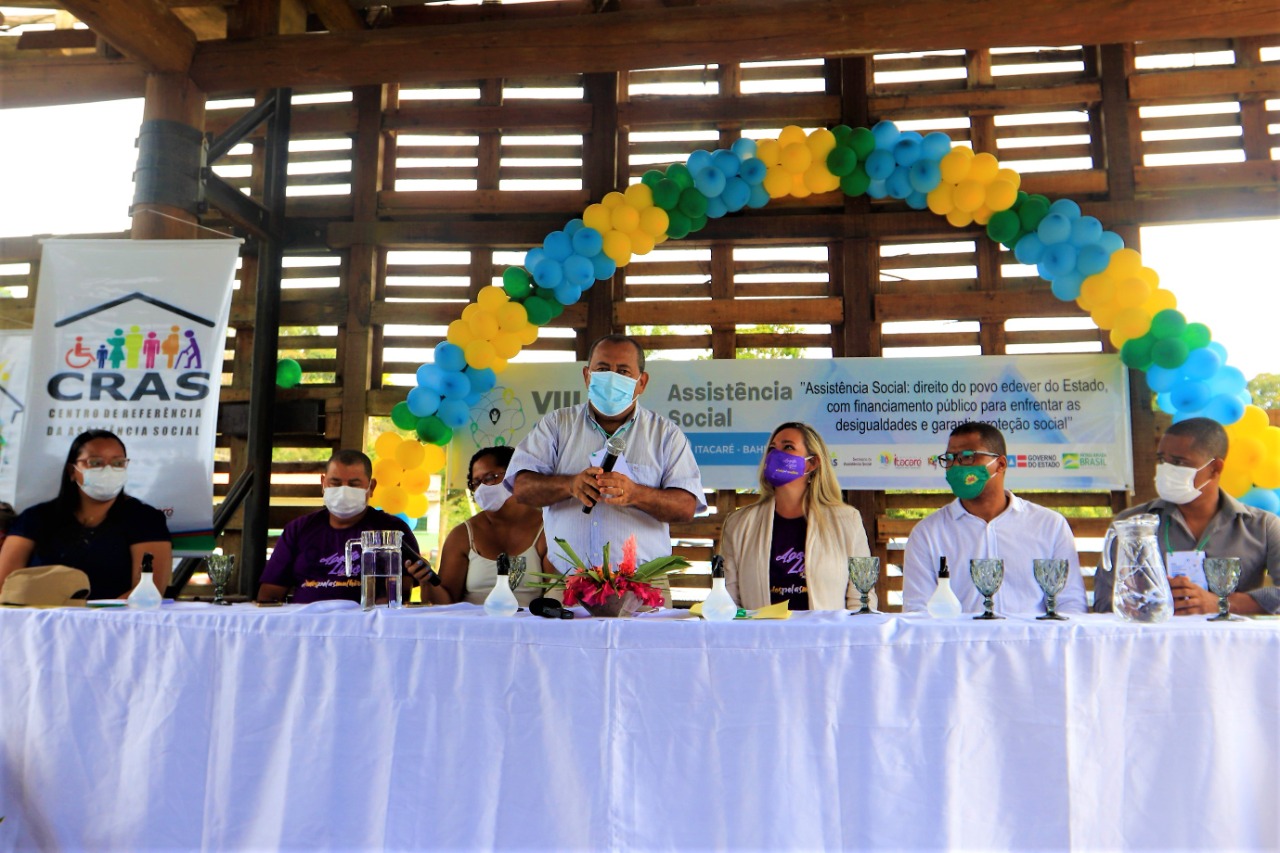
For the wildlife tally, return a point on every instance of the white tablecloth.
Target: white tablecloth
(198, 727)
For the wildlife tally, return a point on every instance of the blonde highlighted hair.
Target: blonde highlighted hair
(822, 487)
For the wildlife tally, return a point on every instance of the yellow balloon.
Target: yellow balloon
(492, 298)
(954, 165)
(769, 152)
(939, 199)
(959, 218)
(641, 242)
(1254, 421)
(527, 335)
(415, 505)
(791, 135)
(1009, 176)
(777, 182)
(1150, 276)
(498, 364)
(799, 189)
(983, 168)
(1131, 292)
(796, 157)
(409, 455)
(613, 199)
(1096, 290)
(470, 311)
(597, 216)
(654, 221)
(479, 354)
(1124, 264)
(484, 325)
(434, 458)
(819, 179)
(1160, 300)
(393, 500)
(638, 196)
(1001, 194)
(618, 247)
(512, 317)
(506, 345)
(969, 195)
(387, 471)
(1104, 316)
(1246, 451)
(1131, 323)
(982, 215)
(1236, 480)
(1270, 441)
(416, 481)
(820, 143)
(1266, 474)
(625, 218)
(385, 445)
(460, 333)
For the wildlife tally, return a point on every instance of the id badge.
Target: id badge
(620, 466)
(1188, 564)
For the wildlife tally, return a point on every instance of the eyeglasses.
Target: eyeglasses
(94, 463)
(493, 478)
(964, 457)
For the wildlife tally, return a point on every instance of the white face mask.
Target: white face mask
(345, 501)
(491, 498)
(1176, 483)
(103, 484)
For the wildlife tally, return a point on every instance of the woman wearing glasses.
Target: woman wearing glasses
(794, 544)
(92, 525)
(468, 560)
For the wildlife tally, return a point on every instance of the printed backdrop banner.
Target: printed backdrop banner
(129, 337)
(1065, 418)
(15, 358)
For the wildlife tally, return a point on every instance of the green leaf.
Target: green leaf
(567, 550)
(605, 562)
(661, 566)
(545, 580)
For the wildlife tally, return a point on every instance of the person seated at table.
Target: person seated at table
(468, 560)
(794, 543)
(92, 525)
(310, 555)
(987, 521)
(1198, 519)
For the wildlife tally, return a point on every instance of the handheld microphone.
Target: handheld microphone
(409, 555)
(613, 448)
(549, 608)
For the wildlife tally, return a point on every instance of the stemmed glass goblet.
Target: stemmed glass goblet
(220, 567)
(987, 576)
(1223, 575)
(516, 573)
(863, 571)
(1051, 575)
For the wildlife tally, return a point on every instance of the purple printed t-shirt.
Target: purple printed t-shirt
(786, 563)
(309, 555)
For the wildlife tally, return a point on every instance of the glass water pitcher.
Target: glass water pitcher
(1141, 590)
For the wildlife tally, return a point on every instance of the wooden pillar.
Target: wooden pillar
(603, 158)
(174, 98)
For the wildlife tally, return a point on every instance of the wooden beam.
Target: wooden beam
(146, 31)
(991, 305)
(71, 80)
(747, 30)
(57, 40)
(1165, 86)
(336, 15)
(746, 312)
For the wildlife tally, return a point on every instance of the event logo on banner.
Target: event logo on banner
(129, 337)
(1065, 418)
(15, 358)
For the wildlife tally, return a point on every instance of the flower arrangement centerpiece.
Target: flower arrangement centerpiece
(607, 590)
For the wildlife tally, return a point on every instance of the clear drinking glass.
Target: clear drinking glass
(220, 567)
(1223, 575)
(1051, 574)
(987, 576)
(863, 571)
(516, 573)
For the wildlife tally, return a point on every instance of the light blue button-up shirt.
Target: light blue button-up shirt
(658, 455)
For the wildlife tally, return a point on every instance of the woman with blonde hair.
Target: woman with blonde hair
(794, 544)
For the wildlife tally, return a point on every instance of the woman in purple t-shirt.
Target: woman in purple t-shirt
(794, 543)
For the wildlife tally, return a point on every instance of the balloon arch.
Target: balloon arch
(1081, 261)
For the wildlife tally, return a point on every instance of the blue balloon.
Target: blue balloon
(917, 200)
(876, 189)
(532, 257)
(716, 208)
(753, 171)
(454, 385)
(907, 149)
(1067, 286)
(587, 242)
(1225, 409)
(698, 161)
(1029, 249)
(744, 148)
(1085, 230)
(455, 413)
(473, 399)
(567, 294)
(407, 520)
(899, 183)
(736, 193)
(925, 175)
(880, 164)
(1189, 394)
(1058, 259)
(573, 226)
(709, 181)
(1066, 207)
(482, 379)
(449, 356)
(1246, 397)
(548, 272)
(935, 145)
(1164, 401)
(422, 401)
(1183, 414)
(431, 377)
(1202, 363)
(1092, 259)
(1111, 241)
(1264, 499)
(726, 162)
(557, 245)
(604, 265)
(1054, 228)
(759, 197)
(1161, 379)
(886, 133)
(1217, 347)
(1228, 380)
(579, 272)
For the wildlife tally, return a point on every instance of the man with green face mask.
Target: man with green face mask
(985, 521)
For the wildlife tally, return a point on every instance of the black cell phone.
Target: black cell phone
(411, 556)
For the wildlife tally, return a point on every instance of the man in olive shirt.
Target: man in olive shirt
(1198, 519)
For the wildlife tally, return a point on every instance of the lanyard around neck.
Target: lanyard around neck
(1168, 546)
(619, 431)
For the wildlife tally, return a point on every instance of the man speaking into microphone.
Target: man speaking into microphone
(652, 477)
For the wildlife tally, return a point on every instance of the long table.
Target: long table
(222, 728)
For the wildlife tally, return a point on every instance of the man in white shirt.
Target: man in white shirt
(985, 521)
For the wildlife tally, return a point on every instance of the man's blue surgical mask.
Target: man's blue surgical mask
(610, 393)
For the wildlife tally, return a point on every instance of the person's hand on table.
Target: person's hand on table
(1189, 598)
(420, 571)
(585, 488)
(616, 489)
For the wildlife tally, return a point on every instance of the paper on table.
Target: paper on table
(781, 610)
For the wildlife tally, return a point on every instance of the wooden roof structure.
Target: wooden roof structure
(421, 164)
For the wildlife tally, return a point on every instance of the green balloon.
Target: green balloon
(1136, 352)
(1196, 335)
(841, 161)
(693, 203)
(1003, 226)
(841, 132)
(651, 178)
(697, 223)
(433, 430)
(402, 417)
(862, 141)
(557, 308)
(1032, 211)
(666, 194)
(545, 293)
(1168, 323)
(1169, 353)
(679, 173)
(515, 281)
(288, 373)
(856, 182)
(677, 225)
(538, 310)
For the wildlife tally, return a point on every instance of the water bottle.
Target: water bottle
(943, 604)
(145, 596)
(501, 601)
(718, 606)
